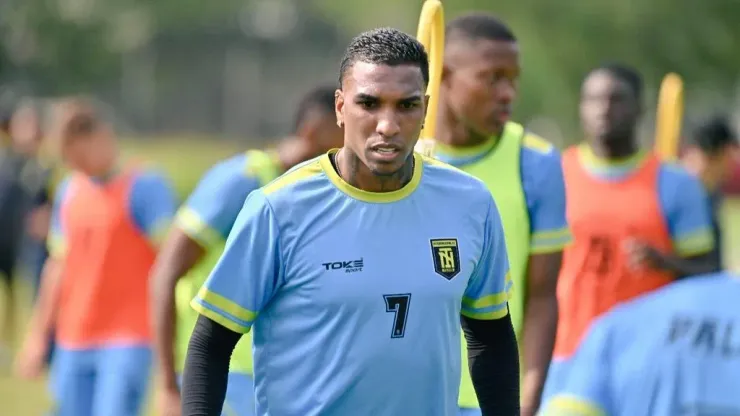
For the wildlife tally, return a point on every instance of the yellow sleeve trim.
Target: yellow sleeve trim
(56, 245)
(550, 241)
(490, 300)
(220, 319)
(567, 405)
(159, 233)
(193, 225)
(537, 143)
(695, 243)
(226, 305)
(486, 316)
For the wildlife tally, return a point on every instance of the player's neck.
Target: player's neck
(351, 169)
(622, 149)
(454, 133)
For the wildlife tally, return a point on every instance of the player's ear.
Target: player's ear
(426, 105)
(339, 106)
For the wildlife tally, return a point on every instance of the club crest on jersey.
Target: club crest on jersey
(446, 257)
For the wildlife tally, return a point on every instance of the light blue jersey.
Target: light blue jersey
(673, 352)
(355, 297)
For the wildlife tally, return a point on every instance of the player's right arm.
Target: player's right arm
(35, 349)
(245, 279)
(493, 356)
(201, 224)
(585, 392)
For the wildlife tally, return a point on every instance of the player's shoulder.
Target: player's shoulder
(295, 179)
(61, 191)
(674, 173)
(535, 144)
(678, 184)
(451, 180)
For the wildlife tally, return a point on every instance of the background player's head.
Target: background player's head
(713, 147)
(316, 130)
(611, 105)
(85, 141)
(381, 100)
(315, 121)
(481, 69)
(26, 128)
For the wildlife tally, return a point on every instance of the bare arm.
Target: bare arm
(44, 314)
(32, 357)
(540, 326)
(176, 257)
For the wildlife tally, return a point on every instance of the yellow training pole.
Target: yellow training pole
(669, 117)
(431, 33)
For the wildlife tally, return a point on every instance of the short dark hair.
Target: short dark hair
(625, 73)
(714, 134)
(320, 98)
(476, 26)
(385, 46)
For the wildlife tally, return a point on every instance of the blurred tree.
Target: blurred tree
(73, 45)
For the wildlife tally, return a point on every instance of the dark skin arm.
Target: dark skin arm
(176, 257)
(643, 255)
(540, 326)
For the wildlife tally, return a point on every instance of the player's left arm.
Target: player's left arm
(153, 205)
(243, 282)
(493, 356)
(585, 391)
(688, 215)
(544, 188)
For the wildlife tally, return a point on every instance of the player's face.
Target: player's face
(713, 168)
(609, 108)
(25, 131)
(480, 83)
(382, 108)
(88, 146)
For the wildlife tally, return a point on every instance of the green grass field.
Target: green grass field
(185, 162)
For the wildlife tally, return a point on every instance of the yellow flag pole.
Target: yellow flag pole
(669, 117)
(431, 33)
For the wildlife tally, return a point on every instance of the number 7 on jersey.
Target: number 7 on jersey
(399, 306)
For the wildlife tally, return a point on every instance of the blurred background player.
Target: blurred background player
(675, 351)
(197, 240)
(107, 219)
(710, 155)
(522, 171)
(27, 131)
(24, 209)
(638, 223)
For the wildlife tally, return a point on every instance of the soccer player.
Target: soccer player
(355, 267)
(23, 198)
(522, 171)
(107, 219)
(673, 352)
(638, 223)
(197, 239)
(710, 156)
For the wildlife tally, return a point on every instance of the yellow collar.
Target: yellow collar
(373, 197)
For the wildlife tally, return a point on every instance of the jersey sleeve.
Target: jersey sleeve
(210, 211)
(56, 241)
(544, 190)
(153, 204)
(249, 271)
(489, 288)
(687, 210)
(585, 391)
